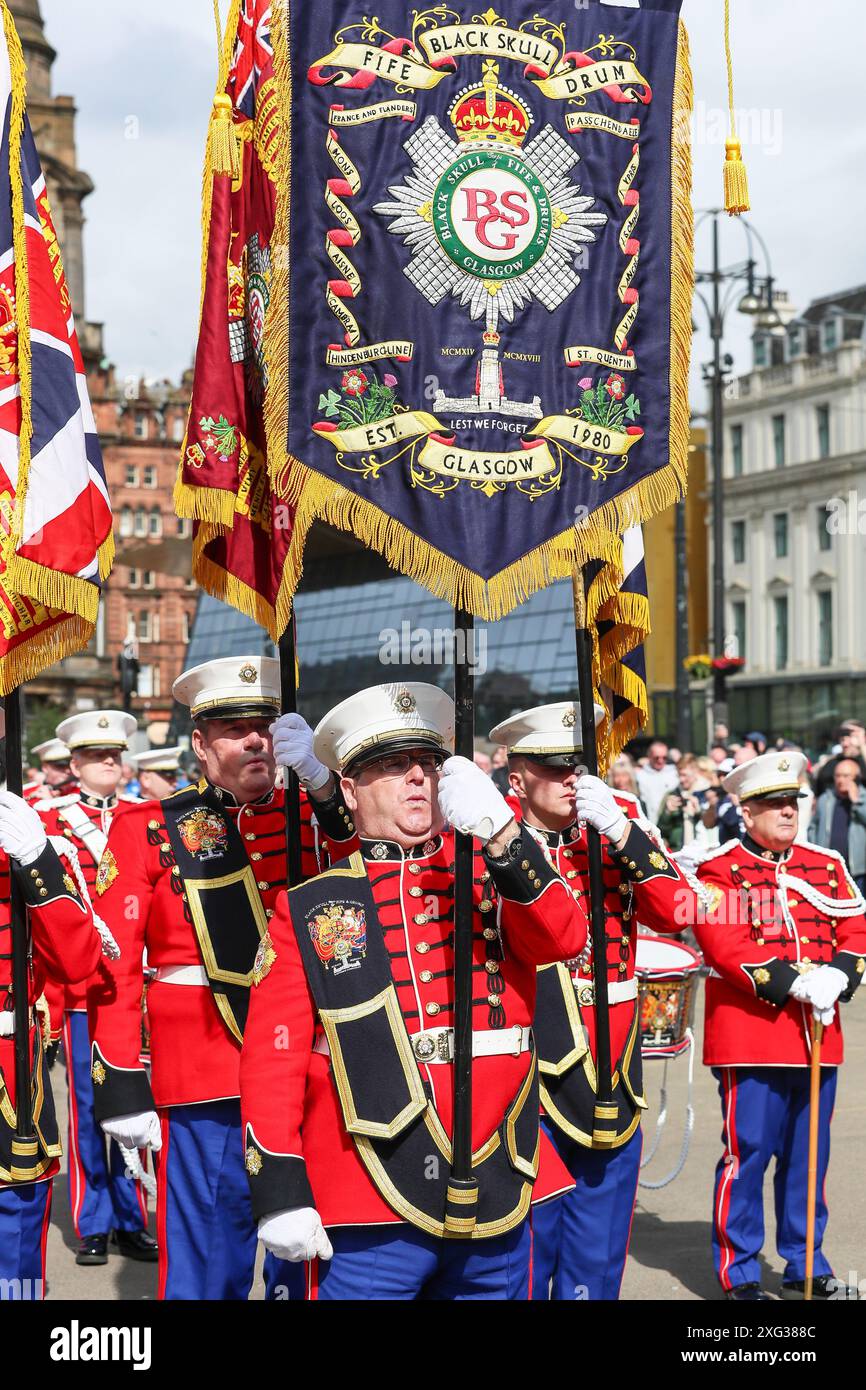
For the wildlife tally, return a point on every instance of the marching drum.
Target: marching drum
(667, 973)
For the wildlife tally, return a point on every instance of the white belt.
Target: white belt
(437, 1044)
(180, 975)
(617, 993)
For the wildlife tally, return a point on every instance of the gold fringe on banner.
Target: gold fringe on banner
(27, 661)
(319, 498)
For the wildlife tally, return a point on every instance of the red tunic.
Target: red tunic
(194, 1057)
(66, 946)
(767, 915)
(288, 1095)
(655, 902)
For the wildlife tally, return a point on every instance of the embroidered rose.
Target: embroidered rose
(615, 387)
(355, 383)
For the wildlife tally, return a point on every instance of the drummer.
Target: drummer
(581, 1239)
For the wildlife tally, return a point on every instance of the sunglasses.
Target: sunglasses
(398, 764)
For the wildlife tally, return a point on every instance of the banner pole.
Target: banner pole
(20, 939)
(462, 1196)
(292, 787)
(605, 1106)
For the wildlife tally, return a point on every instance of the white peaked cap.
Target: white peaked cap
(410, 714)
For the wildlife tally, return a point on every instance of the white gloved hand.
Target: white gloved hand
(800, 990)
(293, 747)
(594, 804)
(470, 801)
(139, 1131)
(823, 987)
(22, 834)
(296, 1235)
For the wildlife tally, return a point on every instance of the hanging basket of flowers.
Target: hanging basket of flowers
(699, 666)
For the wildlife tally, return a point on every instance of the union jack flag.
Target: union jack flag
(55, 514)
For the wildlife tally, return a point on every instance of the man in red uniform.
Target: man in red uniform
(193, 880)
(58, 777)
(346, 1079)
(66, 945)
(580, 1242)
(103, 1198)
(784, 931)
(158, 772)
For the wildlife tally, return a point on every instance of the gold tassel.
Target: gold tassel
(735, 178)
(223, 157)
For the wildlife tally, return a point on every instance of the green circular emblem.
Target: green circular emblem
(491, 214)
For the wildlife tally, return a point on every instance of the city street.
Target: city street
(670, 1246)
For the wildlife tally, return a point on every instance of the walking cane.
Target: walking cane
(812, 1179)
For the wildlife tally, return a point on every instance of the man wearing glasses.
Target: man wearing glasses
(348, 1126)
(581, 1240)
(158, 772)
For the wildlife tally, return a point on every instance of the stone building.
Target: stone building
(149, 596)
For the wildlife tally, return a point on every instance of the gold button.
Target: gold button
(793, 902)
(422, 947)
(746, 883)
(622, 968)
(256, 856)
(421, 919)
(248, 812)
(269, 912)
(735, 867)
(639, 873)
(249, 835)
(175, 870)
(568, 854)
(805, 940)
(432, 1009)
(524, 864)
(490, 933)
(415, 892)
(34, 873)
(492, 967)
(350, 825)
(485, 877)
(571, 873)
(760, 941)
(494, 1000)
(414, 869)
(43, 892)
(806, 960)
(262, 885)
(153, 825)
(485, 905)
(426, 976)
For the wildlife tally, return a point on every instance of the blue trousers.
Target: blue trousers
(580, 1240)
(400, 1262)
(101, 1197)
(765, 1115)
(24, 1215)
(205, 1227)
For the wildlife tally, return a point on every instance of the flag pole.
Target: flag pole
(605, 1115)
(20, 939)
(292, 787)
(812, 1170)
(462, 1198)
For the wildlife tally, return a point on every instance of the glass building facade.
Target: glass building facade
(369, 626)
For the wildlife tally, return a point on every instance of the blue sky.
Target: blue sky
(143, 76)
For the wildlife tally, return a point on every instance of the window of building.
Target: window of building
(134, 579)
(779, 440)
(149, 579)
(762, 352)
(184, 527)
(145, 625)
(780, 609)
(737, 449)
(825, 535)
(823, 416)
(178, 429)
(796, 342)
(155, 627)
(825, 628)
(150, 475)
(831, 334)
(738, 613)
(127, 521)
(184, 627)
(145, 680)
(131, 475)
(738, 541)
(140, 521)
(156, 522)
(780, 534)
(141, 427)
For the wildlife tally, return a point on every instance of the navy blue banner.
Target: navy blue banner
(490, 282)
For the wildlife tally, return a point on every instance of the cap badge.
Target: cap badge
(784, 765)
(568, 719)
(103, 723)
(404, 702)
(379, 851)
(248, 674)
